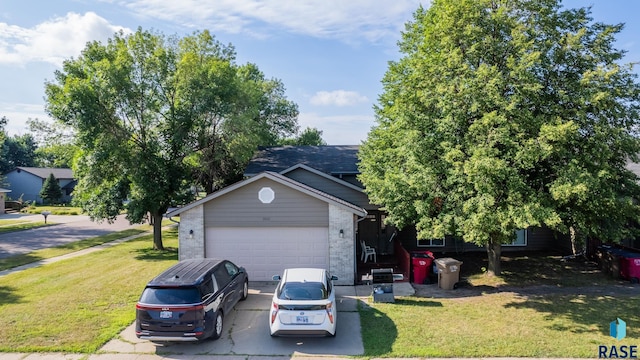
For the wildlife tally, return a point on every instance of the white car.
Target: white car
(304, 303)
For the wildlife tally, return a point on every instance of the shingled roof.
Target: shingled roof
(58, 173)
(330, 159)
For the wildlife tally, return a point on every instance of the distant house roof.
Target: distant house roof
(58, 173)
(330, 159)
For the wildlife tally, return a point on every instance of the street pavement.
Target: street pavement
(63, 229)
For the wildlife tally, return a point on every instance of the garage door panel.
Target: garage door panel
(265, 252)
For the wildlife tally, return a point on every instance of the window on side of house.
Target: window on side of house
(430, 242)
(520, 238)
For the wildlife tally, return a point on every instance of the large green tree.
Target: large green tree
(55, 144)
(18, 150)
(155, 116)
(235, 109)
(120, 98)
(503, 115)
(309, 136)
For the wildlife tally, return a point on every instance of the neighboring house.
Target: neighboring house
(3, 197)
(304, 206)
(26, 182)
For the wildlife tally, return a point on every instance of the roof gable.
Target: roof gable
(279, 179)
(329, 159)
(323, 175)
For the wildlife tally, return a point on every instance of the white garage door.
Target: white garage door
(265, 252)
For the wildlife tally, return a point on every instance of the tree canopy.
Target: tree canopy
(151, 113)
(503, 115)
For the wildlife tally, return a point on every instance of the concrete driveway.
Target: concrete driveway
(246, 332)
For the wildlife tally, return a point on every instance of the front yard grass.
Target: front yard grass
(497, 325)
(53, 209)
(19, 225)
(540, 307)
(77, 305)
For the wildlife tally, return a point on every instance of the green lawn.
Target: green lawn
(53, 209)
(77, 305)
(568, 322)
(18, 225)
(497, 325)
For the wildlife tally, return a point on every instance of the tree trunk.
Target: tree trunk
(494, 251)
(156, 220)
(572, 235)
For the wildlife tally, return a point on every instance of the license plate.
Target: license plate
(302, 319)
(166, 314)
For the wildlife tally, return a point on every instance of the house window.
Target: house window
(520, 238)
(430, 242)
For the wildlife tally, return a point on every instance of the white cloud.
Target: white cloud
(18, 114)
(340, 129)
(54, 40)
(351, 20)
(338, 98)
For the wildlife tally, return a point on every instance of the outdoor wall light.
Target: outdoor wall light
(190, 234)
(341, 233)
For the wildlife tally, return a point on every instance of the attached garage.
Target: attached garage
(264, 252)
(270, 222)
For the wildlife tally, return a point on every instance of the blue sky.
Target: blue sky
(330, 54)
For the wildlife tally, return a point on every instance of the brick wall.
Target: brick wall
(191, 246)
(342, 249)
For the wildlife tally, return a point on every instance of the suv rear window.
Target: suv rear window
(170, 296)
(303, 291)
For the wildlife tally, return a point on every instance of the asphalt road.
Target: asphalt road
(64, 229)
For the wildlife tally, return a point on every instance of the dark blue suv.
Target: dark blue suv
(188, 302)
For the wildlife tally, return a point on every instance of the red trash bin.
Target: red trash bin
(630, 267)
(421, 262)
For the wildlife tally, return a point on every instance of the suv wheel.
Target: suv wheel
(217, 325)
(245, 290)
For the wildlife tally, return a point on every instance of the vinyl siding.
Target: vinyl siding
(242, 208)
(538, 239)
(24, 185)
(331, 187)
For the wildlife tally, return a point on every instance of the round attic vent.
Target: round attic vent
(266, 195)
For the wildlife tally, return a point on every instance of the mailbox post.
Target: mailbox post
(45, 214)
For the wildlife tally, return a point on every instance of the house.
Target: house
(304, 206)
(3, 197)
(26, 182)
